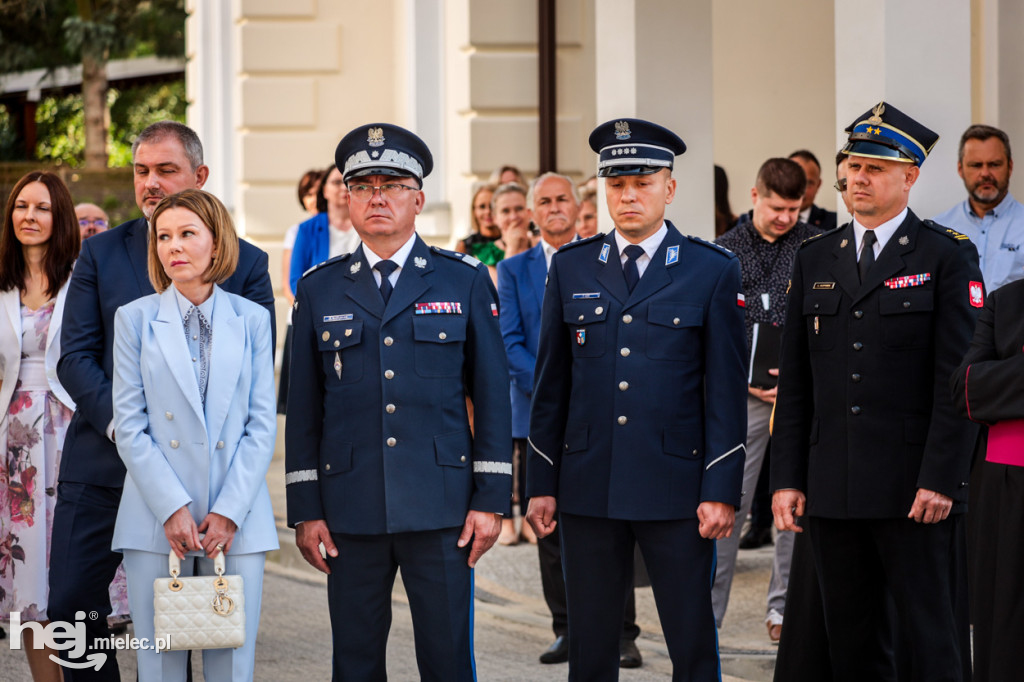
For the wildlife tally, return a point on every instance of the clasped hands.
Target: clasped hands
(183, 534)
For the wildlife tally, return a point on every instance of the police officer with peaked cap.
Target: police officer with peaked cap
(639, 411)
(382, 467)
(866, 441)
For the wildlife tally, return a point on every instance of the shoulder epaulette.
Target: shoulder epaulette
(947, 231)
(330, 261)
(822, 234)
(711, 245)
(455, 255)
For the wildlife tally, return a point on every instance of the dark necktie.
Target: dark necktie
(630, 270)
(867, 254)
(385, 268)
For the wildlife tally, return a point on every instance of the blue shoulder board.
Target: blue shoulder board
(580, 242)
(330, 261)
(711, 245)
(455, 255)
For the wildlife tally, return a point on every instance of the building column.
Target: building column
(653, 60)
(916, 55)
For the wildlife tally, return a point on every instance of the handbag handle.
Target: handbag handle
(174, 564)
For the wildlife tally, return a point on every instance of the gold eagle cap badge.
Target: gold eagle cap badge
(375, 137)
(622, 130)
(877, 111)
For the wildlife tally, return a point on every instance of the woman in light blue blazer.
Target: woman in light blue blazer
(194, 421)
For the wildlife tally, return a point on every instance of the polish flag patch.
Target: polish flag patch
(977, 294)
(494, 310)
(741, 300)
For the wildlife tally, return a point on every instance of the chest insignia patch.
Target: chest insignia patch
(605, 250)
(908, 281)
(588, 294)
(581, 337)
(438, 308)
(338, 318)
(977, 294)
(672, 255)
(824, 285)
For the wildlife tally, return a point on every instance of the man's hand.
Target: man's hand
(716, 520)
(484, 528)
(541, 515)
(766, 394)
(930, 506)
(308, 536)
(786, 506)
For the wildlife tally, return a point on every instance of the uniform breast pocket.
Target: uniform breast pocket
(906, 317)
(340, 349)
(674, 330)
(439, 343)
(585, 321)
(821, 317)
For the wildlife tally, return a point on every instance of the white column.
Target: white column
(916, 55)
(211, 88)
(653, 62)
(1009, 76)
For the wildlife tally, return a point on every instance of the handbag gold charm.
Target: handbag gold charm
(201, 611)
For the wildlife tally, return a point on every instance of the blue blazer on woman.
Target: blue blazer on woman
(178, 452)
(312, 245)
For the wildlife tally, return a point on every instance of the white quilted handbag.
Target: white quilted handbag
(199, 612)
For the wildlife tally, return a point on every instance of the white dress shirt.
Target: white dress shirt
(398, 258)
(883, 232)
(649, 245)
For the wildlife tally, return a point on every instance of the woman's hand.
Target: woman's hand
(181, 533)
(220, 532)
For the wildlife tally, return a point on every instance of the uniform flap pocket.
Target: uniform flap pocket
(669, 314)
(585, 311)
(453, 449)
(916, 430)
(439, 328)
(822, 303)
(576, 438)
(683, 443)
(338, 335)
(906, 301)
(336, 459)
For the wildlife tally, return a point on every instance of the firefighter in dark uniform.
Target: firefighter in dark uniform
(866, 440)
(639, 411)
(382, 467)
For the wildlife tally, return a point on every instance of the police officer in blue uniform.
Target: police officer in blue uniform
(639, 411)
(382, 467)
(866, 441)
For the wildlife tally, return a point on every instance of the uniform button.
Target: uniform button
(817, 305)
(627, 318)
(857, 345)
(695, 451)
(174, 444)
(598, 310)
(581, 318)
(326, 336)
(337, 343)
(462, 459)
(622, 420)
(169, 415)
(623, 385)
(389, 408)
(675, 321)
(566, 446)
(327, 467)
(858, 314)
(855, 377)
(388, 374)
(442, 336)
(855, 409)
(388, 340)
(906, 304)
(220, 445)
(624, 352)
(392, 442)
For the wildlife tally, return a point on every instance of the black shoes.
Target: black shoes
(558, 652)
(756, 537)
(629, 655)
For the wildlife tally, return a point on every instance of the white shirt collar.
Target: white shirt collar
(649, 245)
(398, 258)
(882, 233)
(549, 251)
(805, 215)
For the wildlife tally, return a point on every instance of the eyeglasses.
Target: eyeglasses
(840, 185)
(390, 190)
(99, 222)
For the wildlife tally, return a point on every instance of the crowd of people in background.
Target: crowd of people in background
(90, 422)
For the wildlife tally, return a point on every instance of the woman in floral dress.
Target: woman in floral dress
(38, 246)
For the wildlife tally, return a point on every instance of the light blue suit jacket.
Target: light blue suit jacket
(177, 453)
(521, 292)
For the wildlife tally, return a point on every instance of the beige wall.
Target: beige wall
(774, 89)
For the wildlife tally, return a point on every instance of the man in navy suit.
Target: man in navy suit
(111, 271)
(639, 411)
(810, 213)
(382, 467)
(521, 281)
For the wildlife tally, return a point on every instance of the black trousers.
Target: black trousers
(861, 564)
(803, 649)
(598, 558)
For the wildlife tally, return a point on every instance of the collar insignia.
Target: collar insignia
(605, 250)
(672, 255)
(355, 267)
(904, 240)
(842, 244)
(419, 262)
